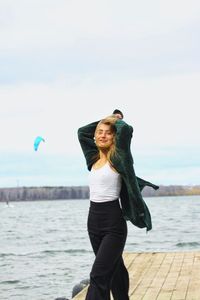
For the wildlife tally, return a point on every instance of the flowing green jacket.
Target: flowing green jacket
(133, 206)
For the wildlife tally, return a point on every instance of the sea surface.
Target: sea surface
(45, 250)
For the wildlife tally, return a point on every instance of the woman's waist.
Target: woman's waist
(104, 205)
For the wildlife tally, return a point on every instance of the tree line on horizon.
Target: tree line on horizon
(82, 192)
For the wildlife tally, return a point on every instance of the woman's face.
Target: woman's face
(104, 136)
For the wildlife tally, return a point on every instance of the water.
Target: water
(45, 250)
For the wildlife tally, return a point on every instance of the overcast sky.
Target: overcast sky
(67, 63)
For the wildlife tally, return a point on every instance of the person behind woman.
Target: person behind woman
(114, 198)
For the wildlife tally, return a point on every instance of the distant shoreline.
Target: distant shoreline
(82, 192)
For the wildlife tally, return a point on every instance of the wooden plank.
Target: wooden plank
(162, 276)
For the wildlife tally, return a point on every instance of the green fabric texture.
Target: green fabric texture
(134, 208)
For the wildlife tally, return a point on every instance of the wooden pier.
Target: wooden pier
(162, 276)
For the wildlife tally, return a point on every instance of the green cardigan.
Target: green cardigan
(133, 206)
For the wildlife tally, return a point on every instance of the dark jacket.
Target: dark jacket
(133, 206)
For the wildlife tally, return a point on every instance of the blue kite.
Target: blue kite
(37, 142)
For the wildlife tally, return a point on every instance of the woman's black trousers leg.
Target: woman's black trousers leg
(107, 231)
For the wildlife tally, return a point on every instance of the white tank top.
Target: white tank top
(104, 184)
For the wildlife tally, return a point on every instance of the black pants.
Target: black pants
(107, 231)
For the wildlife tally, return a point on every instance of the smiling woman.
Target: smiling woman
(114, 198)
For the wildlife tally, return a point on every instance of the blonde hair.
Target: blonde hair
(110, 121)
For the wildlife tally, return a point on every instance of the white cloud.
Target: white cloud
(163, 111)
(42, 24)
(174, 176)
(140, 57)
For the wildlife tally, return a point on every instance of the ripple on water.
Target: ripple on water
(10, 282)
(73, 251)
(188, 244)
(52, 257)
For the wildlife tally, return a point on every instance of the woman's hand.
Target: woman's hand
(119, 116)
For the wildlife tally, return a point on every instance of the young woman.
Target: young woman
(115, 196)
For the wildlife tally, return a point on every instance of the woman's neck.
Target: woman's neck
(103, 155)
